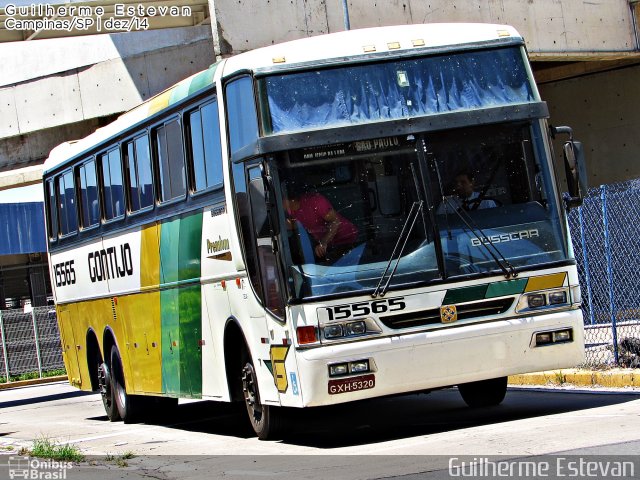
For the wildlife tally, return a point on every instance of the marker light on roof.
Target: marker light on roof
(393, 45)
(418, 42)
(504, 33)
(369, 48)
(278, 59)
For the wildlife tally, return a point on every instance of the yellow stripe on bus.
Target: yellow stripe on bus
(149, 257)
(158, 103)
(141, 315)
(546, 281)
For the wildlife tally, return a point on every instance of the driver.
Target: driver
(466, 196)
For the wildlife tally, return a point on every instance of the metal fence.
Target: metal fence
(29, 342)
(606, 242)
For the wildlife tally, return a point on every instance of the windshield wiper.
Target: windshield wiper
(508, 270)
(403, 238)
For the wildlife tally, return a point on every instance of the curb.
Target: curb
(34, 381)
(617, 378)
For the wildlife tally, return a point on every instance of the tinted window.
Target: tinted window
(140, 178)
(206, 151)
(112, 181)
(170, 161)
(67, 211)
(52, 217)
(243, 121)
(133, 177)
(271, 294)
(89, 206)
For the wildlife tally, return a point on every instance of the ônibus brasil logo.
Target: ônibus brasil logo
(38, 469)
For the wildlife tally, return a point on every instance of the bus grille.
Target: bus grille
(432, 316)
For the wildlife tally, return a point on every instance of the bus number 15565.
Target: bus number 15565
(341, 312)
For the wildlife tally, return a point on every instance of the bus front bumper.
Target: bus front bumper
(439, 358)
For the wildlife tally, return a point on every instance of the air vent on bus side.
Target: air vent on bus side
(432, 316)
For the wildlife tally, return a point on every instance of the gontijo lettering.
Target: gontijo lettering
(110, 263)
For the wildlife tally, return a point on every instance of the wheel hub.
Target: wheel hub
(250, 392)
(103, 379)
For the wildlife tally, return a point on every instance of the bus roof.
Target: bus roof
(322, 47)
(352, 43)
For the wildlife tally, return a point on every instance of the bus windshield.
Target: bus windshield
(353, 210)
(395, 89)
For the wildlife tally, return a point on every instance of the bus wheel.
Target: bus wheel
(106, 392)
(265, 419)
(129, 406)
(485, 393)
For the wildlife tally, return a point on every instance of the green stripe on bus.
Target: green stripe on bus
(189, 247)
(190, 306)
(202, 79)
(179, 92)
(171, 344)
(465, 294)
(181, 307)
(169, 307)
(509, 287)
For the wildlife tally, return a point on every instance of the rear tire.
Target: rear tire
(484, 393)
(106, 392)
(130, 407)
(266, 420)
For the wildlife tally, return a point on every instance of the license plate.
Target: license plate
(353, 384)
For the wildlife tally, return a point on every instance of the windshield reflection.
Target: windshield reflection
(483, 190)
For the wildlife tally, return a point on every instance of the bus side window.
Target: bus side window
(67, 208)
(89, 208)
(205, 151)
(242, 116)
(52, 211)
(113, 194)
(140, 174)
(170, 155)
(267, 262)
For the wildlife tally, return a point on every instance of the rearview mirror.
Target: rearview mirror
(575, 169)
(576, 173)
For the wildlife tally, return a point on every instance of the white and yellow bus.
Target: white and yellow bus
(341, 217)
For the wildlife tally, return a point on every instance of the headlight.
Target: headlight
(333, 331)
(356, 328)
(536, 300)
(542, 300)
(348, 330)
(557, 298)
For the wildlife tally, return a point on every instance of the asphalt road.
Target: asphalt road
(394, 437)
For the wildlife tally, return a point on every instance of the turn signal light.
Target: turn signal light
(306, 335)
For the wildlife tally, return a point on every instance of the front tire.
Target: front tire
(484, 393)
(265, 420)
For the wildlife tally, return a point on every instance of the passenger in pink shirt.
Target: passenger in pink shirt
(327, 227)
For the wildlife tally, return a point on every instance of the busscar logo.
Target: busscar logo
(505, 237)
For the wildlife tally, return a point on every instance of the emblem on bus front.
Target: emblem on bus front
(448, 314)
